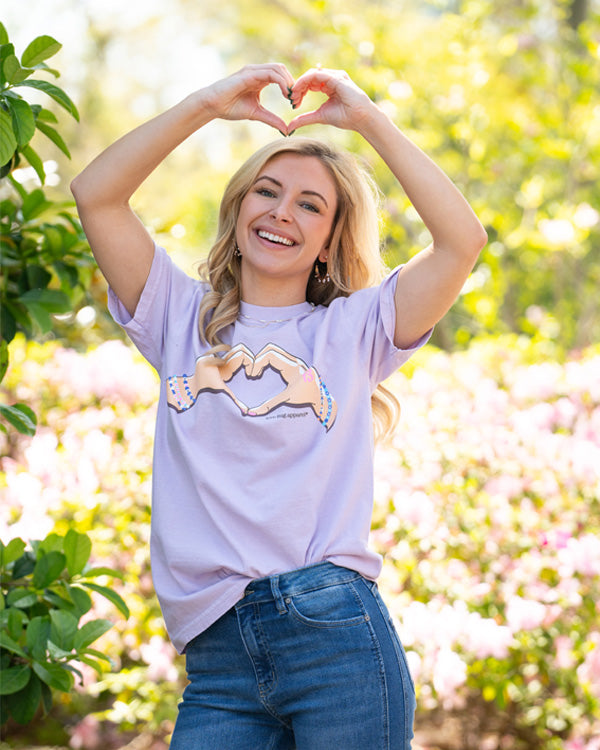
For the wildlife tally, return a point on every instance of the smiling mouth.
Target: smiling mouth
(276, 238)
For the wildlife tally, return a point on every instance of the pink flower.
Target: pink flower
(86, 734)
(450, 673)
(159, 655)
(524, 614)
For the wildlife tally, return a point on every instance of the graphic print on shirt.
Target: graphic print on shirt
(303, 384)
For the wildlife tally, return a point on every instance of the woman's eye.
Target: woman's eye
(266, 192)
(311, 207)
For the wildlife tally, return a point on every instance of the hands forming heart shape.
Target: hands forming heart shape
(238, 97)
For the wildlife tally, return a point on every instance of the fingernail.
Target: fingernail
(282, 133)
(292, 133)
(251, 413)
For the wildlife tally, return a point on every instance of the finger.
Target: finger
(269, 118)
(308, 118)
(276, 73)
(316, 79)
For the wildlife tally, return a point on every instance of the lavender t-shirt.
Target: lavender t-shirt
(263, 465)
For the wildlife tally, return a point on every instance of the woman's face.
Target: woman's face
(284, 225)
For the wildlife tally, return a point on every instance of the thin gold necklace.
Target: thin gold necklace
(259, 323)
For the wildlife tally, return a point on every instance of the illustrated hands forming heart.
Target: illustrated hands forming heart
(237, 97)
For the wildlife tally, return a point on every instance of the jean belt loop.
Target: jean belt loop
(280, 604)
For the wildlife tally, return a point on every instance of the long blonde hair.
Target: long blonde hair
(354, 260)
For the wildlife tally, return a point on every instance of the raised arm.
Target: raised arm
(430, 282)
(120, 243)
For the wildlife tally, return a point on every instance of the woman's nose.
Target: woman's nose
(281, 211)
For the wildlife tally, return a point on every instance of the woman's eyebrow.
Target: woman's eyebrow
(304, 192)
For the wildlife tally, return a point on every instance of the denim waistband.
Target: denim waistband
(302, 580)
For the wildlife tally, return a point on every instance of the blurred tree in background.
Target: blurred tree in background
(505, 96)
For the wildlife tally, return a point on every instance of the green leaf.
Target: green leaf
(52, 300)
(7, 643)
(77, 550)
(81, 599)
(8, 324)
(12, 551)
(54, 675)
(90, 632)
(95, 572)
(22, 119)
(48, 568)
(36, 637)
(23, 704)
(24, 566)
(54, 136)
(54, 92)
(14, 679)
(97, 654)
(35, 162)
(91, 663)
(13, 72)
(39, 50)
(56, 652)
(8, 141)
(53, 542)
(109, 594)
(3, 34)
(63, 628)
(34, 204)
(20, 417)
(45, 115)
(15, 621)
(3, 369)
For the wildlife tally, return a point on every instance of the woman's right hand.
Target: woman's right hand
(237, 97)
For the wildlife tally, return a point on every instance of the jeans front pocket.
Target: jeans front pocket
(333, 606)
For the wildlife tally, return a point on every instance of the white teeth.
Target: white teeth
(274, 238)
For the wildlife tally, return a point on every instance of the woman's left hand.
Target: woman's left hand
(347, 105)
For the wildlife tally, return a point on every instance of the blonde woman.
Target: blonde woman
(271, 366)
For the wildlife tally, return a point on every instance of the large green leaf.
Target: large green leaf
(11, 551)
(77, 550)
(90, 632)
(63, 628)
(23, 704)
(34, 204)
(37, 635)
(35, 161)
(3, 369)
(8, 141)
(54, 675)
(54, 136)
(7, 643)
(13, 72)
(3, 34)
(22, 119)
(54, 92)
(48, 568)
(21, 417)
(81, 599)
(14, 679)
(109, 594)
(39, 50)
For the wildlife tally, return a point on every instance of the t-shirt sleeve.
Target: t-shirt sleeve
(168, 292)
(369, 317)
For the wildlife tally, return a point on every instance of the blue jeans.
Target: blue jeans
(306, 660)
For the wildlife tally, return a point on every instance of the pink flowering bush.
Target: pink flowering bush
(486, 511)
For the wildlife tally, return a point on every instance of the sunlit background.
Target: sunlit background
(488, 496)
